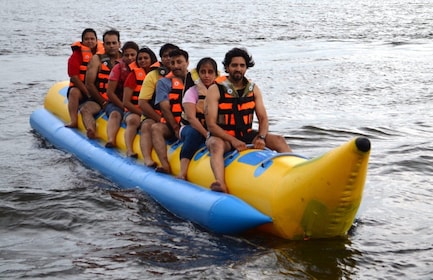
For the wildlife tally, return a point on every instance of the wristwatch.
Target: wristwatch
(263, 137)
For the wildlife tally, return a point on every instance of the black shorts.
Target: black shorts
(84, 99)
(248, 138)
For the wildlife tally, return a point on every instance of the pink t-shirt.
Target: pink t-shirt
(119, 73)
(191, 95)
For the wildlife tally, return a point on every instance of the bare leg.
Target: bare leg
(88, 110)
(113, 126)
(160, 132)
(73, 102)
(277, 143)
(184, 163)
(217, 147)
(146, 142)
(132, 123)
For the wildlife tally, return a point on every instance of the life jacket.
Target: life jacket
(140, 74)
(86, 54)
(133, 65)
(236, 110)
(175, 98)
(199, 106)
(163, 72)
(103, 74)
(199, 111)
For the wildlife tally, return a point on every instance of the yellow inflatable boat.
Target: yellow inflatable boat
(300, 198)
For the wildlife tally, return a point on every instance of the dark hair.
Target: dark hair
(179, 52)
(130, 45)
(111, 32)
(88, 30)
(152, 55)
(209, 60)
(167, 47)
(235, 52)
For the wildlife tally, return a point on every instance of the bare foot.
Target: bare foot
(71, 125)
(218, 187)
(91, 134)
(180, 177)
(131, 155)
(151, 164)
(161, 170)
(109, 145)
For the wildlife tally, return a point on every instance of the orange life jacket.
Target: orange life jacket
(175, 98)
(162, 70)
(103, 74)
(86, 54)
(236, 109)
(140, 74)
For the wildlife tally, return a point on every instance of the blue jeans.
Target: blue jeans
(192, 141)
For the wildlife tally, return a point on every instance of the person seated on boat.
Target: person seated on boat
(131, 89)
(169, 91)
(82, 52)
(146, 101)
(97, 78)
(230, 106)
(193, 130)
(114, 109)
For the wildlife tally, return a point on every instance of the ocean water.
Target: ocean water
(329, 71)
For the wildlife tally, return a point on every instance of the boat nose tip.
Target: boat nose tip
(363, 144)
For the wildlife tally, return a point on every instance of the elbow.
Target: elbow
(142, 104)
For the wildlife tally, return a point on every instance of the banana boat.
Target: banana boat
(284, 194)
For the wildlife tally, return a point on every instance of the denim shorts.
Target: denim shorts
(110, 108)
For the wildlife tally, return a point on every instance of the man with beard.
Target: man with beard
(229, 110)
(169, 92)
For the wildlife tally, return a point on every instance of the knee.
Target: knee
(74, 93)
(84, 110)
(157, 129)
(215, 145)
(90, 108)
(280, 139)
(116, 116)
(132, 122)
